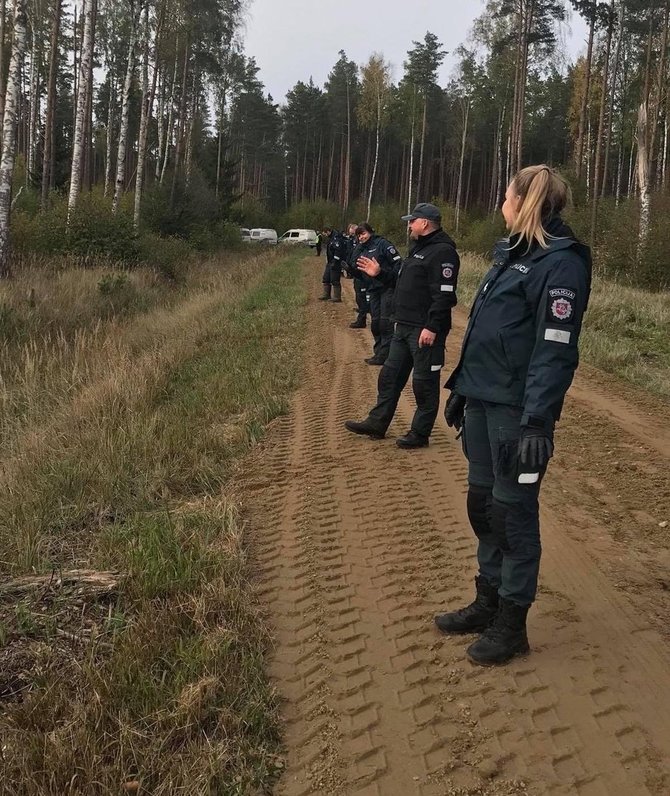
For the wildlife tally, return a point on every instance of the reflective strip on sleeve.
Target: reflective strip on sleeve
(436, 367)
(447, 288)
(557, 335)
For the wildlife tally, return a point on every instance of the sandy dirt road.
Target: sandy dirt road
(358, 544)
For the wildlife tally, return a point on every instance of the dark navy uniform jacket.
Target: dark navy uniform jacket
(337, 249)
(384, 252)
(520, 346)
(425, 283)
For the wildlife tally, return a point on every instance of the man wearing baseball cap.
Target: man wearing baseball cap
(425, 292)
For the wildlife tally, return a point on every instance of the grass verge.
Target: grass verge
(626, 331)
(156, 686)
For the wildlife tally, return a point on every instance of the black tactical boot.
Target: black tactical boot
(476, 616)
(359, 323)
(366, 428)
(504, 638)
(326, 293)
(375, 360)
(337, 293)
(412, 440)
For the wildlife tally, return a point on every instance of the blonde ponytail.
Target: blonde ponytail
(543, 192)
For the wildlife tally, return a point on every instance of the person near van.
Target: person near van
(318, 244)
(336, 253)
(424, 296)
(379, 295)
(518, 358)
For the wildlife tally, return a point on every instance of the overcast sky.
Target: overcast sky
(295, 39)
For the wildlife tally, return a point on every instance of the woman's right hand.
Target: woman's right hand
(370, 266)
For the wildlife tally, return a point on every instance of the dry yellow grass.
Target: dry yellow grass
(117, 437)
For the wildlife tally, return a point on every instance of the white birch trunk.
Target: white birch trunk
(643, 178)
(125, 113)
(170, 122)
(374, 168)
(9, 132)
(144, 124)
(464, 138)
(82, 104)
(160, 113)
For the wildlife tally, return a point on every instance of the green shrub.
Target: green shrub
(169, 257)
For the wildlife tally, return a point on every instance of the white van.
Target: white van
(259, 235)
(304, 237)
(245, 234)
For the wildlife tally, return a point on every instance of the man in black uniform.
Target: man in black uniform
(424, 295)
(336, 254)
(351, 272)
(318, 243)
(377, 295)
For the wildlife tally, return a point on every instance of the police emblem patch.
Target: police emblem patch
(447, 272)
(561, 309)
(561, 304)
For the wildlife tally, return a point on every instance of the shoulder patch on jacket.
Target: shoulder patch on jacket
(560, 304)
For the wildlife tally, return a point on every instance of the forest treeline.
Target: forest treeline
(147, 117)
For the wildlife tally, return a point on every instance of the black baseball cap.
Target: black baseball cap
(424, 210)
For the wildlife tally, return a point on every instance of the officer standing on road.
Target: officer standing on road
(360, 292)
(336, 254)
(517, 362)
(379, 292)
(424, 295)
(318, 243)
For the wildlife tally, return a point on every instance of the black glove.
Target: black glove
(536, 447)
(454, 410)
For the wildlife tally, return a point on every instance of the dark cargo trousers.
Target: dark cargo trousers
(406, 355)
(381, 304)
(332, 273)
(503, 513)
(361, 300)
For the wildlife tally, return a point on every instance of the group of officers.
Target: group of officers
(373, 296)
(517, 360)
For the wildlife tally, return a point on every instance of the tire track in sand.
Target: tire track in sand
(357, 545)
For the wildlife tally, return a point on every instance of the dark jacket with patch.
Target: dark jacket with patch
(425, 283)
(381, 250)
(520, 346)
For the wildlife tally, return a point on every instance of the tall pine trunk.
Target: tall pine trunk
(180, 131)
(419, 179)
(601, 126)
(579, 150)
(49, 126)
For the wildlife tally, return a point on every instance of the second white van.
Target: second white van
(305, 237)
(260, 235)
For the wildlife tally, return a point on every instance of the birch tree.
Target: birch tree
(82, 104)
(372, 108)
(122, 150)
(9, 132)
